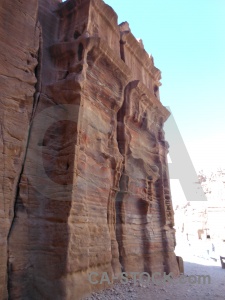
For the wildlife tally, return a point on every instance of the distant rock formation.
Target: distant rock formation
(85, 185)
(204, 221)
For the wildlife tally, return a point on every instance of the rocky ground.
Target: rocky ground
(175, 289)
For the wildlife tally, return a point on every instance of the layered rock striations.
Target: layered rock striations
(92, 191)
(19, 44)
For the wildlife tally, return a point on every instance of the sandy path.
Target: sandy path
(174, 290)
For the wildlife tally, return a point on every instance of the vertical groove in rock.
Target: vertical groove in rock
(18, 47)
(120, 224)
(9, 265)
(84, 156)
(46, 213)
(37, 72)
(139, 208)
(123, 182)
(167, 213)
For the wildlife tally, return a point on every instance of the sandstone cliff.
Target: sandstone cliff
(85, 179)
(19, 43)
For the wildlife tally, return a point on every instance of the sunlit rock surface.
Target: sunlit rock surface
(91, 185)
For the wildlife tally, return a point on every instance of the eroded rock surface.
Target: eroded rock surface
(93, 194)
(19, 44)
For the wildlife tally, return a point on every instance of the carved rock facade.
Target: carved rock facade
(92, 186)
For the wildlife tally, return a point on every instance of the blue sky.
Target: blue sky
(186, 39)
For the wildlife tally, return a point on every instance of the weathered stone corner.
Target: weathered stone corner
(85, 184)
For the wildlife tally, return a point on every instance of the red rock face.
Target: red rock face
(19, 43)
(93, 195)
(143, 201)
